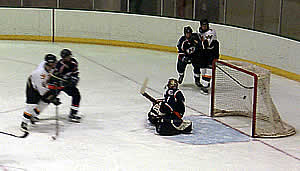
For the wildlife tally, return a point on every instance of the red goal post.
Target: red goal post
(243, 89)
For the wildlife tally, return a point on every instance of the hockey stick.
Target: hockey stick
(145, 94)
(56, 77)
(152, 99)
(56, 121)
(56, 124)
(15, 135)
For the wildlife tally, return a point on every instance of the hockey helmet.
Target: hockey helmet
(187, 29)
(172, 83)
(50, 59)
(203, 22)
(65, 53)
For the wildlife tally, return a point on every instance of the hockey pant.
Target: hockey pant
(197, 72)
(75, 94)
(181, 66)
(206, 74)
(34, 104)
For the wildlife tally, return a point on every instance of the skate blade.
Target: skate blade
(23, 130)
(74, 120)
(202, 92)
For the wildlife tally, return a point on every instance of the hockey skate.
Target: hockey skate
(24, 127)
(33, 120)
(198, 84)
(204, 90)
(74, 118)
(180, 79)
(208, 86)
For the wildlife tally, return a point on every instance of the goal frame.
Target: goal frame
(255, 80)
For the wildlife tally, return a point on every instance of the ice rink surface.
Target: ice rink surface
(114, 134)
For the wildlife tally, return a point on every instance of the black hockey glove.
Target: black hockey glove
(56, 101)
(71, 81)
(50, 97)
(74, 81)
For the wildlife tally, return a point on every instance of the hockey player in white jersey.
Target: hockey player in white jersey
(38, 95)
(210, 45)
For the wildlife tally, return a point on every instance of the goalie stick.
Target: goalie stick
(152, 99)
(145, 94)
(25, 134)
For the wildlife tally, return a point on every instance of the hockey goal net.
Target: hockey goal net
(243, 89)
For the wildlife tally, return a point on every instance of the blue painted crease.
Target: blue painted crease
(208, 131)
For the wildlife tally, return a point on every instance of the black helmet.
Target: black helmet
(50, 58)
(172, 83)
(187, 29)
(203, 22)
(65, 53)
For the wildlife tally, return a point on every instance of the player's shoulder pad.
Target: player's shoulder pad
(74, 60)
(182, 38)
(178, 92)
(180, 41)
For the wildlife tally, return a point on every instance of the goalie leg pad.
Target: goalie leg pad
(168, 127)
(154, 114)
(186, 126)
(165, 127)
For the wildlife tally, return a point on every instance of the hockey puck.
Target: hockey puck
(244, 97)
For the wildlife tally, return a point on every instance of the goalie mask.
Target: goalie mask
(172, 84)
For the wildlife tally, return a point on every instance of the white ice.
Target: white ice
(112, 135)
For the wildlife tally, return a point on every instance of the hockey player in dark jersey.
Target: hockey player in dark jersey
(173, 101)
(210, 51)
(67, 69)
(167, 113)
(188, 52)
(184, 57)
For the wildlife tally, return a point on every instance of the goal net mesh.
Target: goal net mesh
(234, 94)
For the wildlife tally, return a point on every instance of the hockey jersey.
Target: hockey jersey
(67, 68)
(39, 78)
(209, 35)
(173, 101)
(210, 46)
